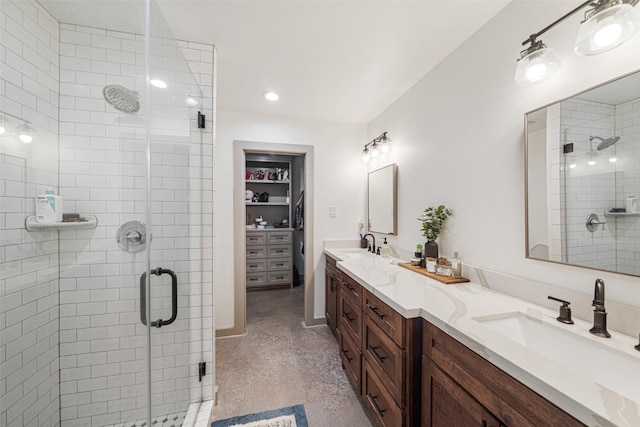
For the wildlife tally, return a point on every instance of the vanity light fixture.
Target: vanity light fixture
(375, 147)
(608, 24)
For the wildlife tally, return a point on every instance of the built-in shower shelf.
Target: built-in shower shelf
(607, 212)
(30, 224)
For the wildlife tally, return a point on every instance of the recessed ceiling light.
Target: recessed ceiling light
(270, 96)
(158, 83)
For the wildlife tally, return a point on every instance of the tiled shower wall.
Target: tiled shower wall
(627, 125)
(29, 69)
(588, 188)
(594, 188)
(102, 173)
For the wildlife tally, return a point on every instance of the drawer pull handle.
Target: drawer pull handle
(346, 354)
(279, 264)
(376, 354)
(351, 288)
(279, 277)
(347, 315)
(375, 404)
(253, 279)
(376, 312)
(253, 252)
(253, 265)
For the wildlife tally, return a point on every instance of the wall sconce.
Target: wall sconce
(24, 129)
(375, 147)
(607, 25)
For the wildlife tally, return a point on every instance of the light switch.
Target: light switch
(332, 211)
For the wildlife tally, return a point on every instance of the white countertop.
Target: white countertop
(607, 398)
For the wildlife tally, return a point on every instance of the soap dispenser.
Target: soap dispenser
(456, 265)
(385, 250)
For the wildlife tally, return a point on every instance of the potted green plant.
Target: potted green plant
(432, 220)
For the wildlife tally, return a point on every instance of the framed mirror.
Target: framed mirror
(582, 178)
(382, 207)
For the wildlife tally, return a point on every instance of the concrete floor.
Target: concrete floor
(279, 362)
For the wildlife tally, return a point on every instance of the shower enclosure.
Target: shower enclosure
(109, 320)
(597, 176)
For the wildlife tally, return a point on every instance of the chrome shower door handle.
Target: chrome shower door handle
(174, 297)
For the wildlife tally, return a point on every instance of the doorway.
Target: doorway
(240, 151)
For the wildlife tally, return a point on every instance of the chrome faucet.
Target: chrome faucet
(371, 248)
(599, 312)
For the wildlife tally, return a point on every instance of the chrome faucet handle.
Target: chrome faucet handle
(565, 311)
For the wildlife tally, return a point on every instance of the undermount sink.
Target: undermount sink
(595, 360)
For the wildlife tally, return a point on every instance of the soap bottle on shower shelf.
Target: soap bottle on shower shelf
(456, 265)
(48, 208)
(385, 250)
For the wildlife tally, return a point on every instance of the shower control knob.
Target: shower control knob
(132, 236)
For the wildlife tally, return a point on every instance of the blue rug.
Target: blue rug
(275, 418)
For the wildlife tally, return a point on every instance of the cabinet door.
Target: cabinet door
(331, 297)
(446, 404)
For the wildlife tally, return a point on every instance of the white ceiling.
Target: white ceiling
(337, 60)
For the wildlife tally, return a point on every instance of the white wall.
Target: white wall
(339, 180)
(458, 140)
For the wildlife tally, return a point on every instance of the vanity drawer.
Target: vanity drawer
(275, 251)
(385, 358)
(351, 360)
(350, 318)
(278, 277)
(256, 279)
(389, 320)
(278, 264)
(378, 400)
(279, 237)
(256, 252)
(351, 289)
(256, 238)
(256, 265)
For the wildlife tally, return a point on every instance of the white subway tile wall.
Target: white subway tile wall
(71, 341)
(103, 173)
(29, 69)
(596, 183)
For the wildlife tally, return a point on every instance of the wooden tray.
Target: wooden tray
(447, 280)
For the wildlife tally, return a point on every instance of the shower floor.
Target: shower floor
(171, 420)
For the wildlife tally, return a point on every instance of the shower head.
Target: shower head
(121, 98)
(605, 142)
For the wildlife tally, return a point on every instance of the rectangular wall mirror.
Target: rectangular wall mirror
(382, 209)
(583, 177)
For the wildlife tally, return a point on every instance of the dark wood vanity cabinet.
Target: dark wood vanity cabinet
(333, 280)
(350, 335)
(391, 364)
(460, 388)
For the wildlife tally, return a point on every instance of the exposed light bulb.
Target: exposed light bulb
(536, 64)
(2, 130)
(158, 83)
(385, 146)
(25, 138)
(572, 165)
(608, 35)
(375, 150)
(591, 162)
(608, 28)
(613, 159)
(365, 155)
